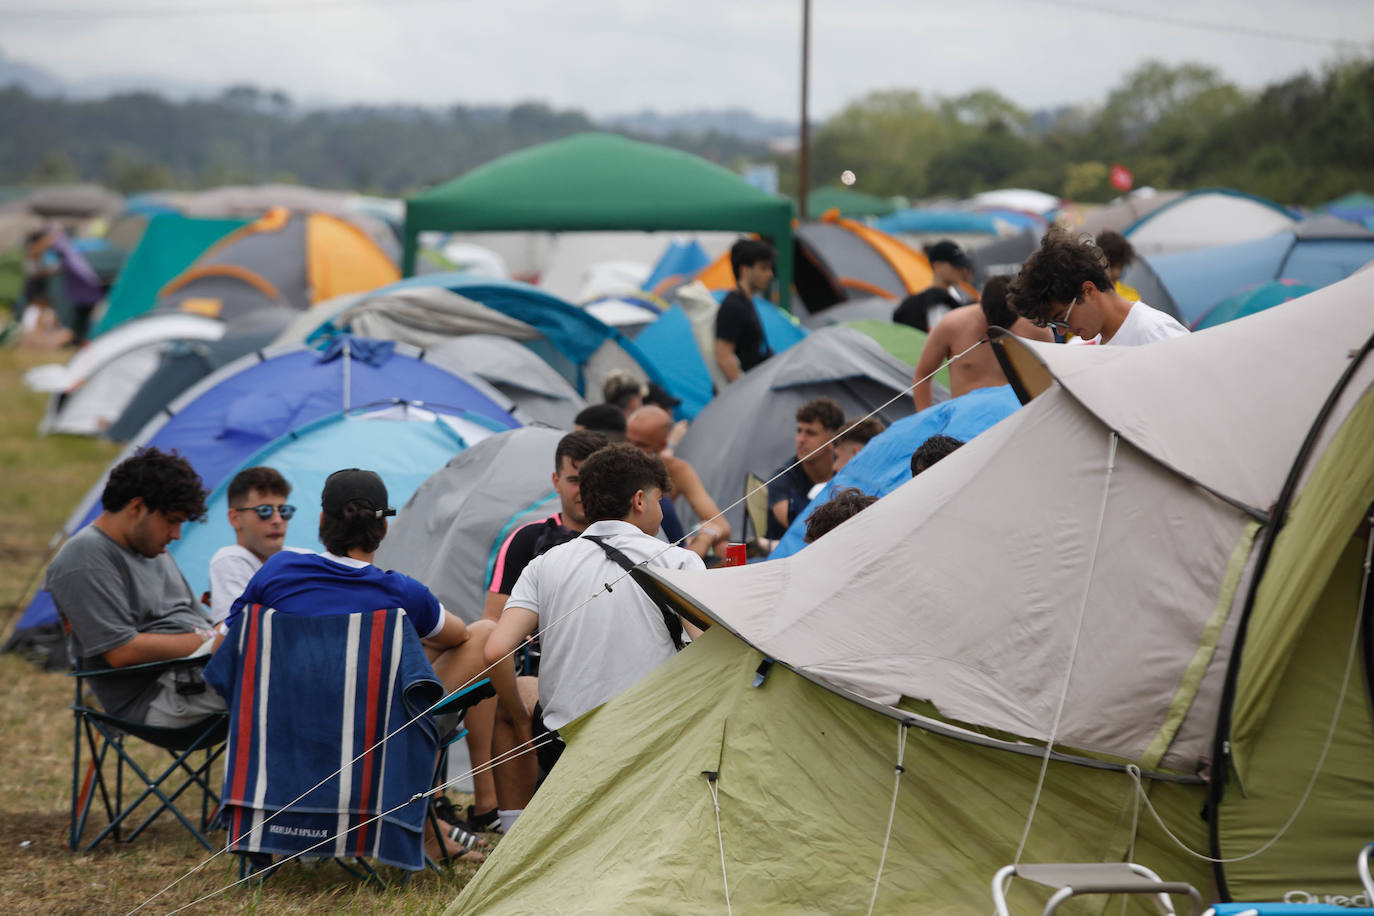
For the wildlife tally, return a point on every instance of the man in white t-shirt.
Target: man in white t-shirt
(258, 512)
(1064, 285)
(596, 641)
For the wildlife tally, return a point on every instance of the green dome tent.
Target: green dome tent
(1148, 548)
(597, 181)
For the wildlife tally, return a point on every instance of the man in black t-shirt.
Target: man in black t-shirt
(740, 344)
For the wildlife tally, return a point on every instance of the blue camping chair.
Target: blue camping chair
(105, 739)
(317, 778)
(1306, 909)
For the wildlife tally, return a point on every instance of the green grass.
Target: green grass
(43, 479)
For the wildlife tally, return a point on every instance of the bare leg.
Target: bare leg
(517, 774)
(481, 722)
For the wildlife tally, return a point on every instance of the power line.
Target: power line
(187, 11)
(1200, 24)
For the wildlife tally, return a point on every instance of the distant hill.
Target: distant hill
(32, 78)
(730, 122)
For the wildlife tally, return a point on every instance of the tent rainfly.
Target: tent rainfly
(596, 181)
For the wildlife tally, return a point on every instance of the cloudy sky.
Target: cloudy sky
(617, 56)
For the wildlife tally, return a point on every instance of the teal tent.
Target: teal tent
(597, 181)
(169, 245)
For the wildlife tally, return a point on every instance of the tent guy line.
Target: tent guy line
(513, 753)
(1134, 770)
(1112, 440)
(606, 587)
(897, 772)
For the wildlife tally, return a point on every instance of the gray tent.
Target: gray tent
(448, 533)
(182, 363)
(479, 338)
(1003, 257)
(749, 427)
(519, 373)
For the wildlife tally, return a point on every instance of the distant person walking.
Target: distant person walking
(740, 343)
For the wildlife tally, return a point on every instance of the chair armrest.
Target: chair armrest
(162, 665)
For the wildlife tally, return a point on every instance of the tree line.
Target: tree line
(1304, 140)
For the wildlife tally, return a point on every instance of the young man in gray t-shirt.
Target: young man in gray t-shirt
(124, 598)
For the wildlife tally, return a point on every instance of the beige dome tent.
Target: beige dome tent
(1155, 565)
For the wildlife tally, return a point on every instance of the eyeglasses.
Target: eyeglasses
(1061, 324)
(265, 511)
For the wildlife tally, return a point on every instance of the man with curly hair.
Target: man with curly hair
(1065, 285)
(125, 599)
(599, 631)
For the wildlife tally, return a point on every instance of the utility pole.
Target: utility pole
(802, 163)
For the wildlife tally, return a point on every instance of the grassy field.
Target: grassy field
(44, 479)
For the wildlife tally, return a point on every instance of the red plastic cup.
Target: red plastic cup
(734, 555)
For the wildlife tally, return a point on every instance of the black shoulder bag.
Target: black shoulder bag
(670, 618)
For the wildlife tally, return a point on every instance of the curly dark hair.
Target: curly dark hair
(166, 482)
(611, 476)
(996, 311)
(356, 526)
(262, 479)
(844, 505)
(863, 430)
(825, 411)
(1054, 274)
(934, 449)
(1115, 248)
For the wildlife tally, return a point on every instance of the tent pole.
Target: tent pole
(803, 157)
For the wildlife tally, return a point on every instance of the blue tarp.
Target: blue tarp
(950, 222)
(681, 259)
(1201, 278)
(219, 429)
(884, 464)
(670, 344)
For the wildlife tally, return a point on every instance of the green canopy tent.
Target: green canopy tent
(595, 181)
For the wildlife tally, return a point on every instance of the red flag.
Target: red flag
(1121, 177)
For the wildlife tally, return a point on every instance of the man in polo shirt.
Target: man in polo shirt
(597, 641)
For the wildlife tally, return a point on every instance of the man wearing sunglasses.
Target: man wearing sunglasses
(1064, 285)
(259, 513)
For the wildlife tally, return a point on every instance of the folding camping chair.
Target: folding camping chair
(102, 733)
(347, 775)
(455, 706)
(755, 506)
(1076, 878)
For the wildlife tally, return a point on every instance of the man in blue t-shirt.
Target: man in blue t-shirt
(342, 580)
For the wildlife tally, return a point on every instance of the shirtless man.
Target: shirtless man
(647, 429)
(961, 329)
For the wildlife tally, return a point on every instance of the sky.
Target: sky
(618, 56)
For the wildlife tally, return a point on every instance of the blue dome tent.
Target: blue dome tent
(218, 424)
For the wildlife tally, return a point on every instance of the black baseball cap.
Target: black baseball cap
(949, 251)
(351, 484)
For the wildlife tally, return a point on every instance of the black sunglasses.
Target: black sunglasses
(265, 511)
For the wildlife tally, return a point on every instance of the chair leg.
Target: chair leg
(81, 804)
